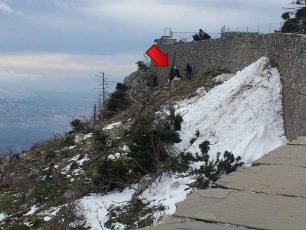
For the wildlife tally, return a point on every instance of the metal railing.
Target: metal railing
(226, 31)
(252, 29)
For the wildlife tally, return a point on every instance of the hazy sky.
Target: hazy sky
(57, 39)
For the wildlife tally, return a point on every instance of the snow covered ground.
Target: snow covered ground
(243, 115)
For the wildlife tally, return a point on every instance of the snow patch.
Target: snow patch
(2, 216)
(223, 77)
(33, 209)
(95, 206)
(49, 214)
(125, 148)
(71, 147)
(111, 157)
(81, 137)
(168, 191)
(111, 126)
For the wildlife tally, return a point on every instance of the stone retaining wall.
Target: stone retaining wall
(287, 52)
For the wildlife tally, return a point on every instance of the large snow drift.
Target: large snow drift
(243, 115)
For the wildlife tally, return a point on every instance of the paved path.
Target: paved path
(269, 195)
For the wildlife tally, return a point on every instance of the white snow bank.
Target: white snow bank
(243, 115)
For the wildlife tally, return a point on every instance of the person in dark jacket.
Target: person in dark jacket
(203, 35)
(188, 70)
(177, 72)
(171, 74)
(196, 37)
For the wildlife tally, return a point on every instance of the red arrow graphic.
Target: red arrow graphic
(160, 59)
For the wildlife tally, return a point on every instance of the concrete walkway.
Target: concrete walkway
(269, 195)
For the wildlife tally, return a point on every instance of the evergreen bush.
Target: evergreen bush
(118, 101)
(196, 136)
(142, 66)
(204, 147)
(121, 87)
(100, 139)
(177, 122)
(77, 125)
(133, 215)
(147, 147)
(212, 170)
(113, 174)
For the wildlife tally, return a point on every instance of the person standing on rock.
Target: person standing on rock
(188, 70)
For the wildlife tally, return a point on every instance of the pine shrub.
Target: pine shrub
(133, 215)
(117, 102)
(177, 123)
(147, 147)
(212, 170)
(113, 174)
(196, 136)
(77, 125)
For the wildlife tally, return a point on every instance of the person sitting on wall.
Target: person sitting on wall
(203, 35)
(188, 70)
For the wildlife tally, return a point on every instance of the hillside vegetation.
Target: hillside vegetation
(146, 152)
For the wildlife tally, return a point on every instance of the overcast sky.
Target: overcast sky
(57, 39)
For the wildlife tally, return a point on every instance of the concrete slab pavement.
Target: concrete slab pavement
(271, 194)
(246, 209)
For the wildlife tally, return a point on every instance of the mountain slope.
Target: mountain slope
(125, 171)
(243, 115)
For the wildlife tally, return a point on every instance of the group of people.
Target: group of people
(175, 73)
(201, 36)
